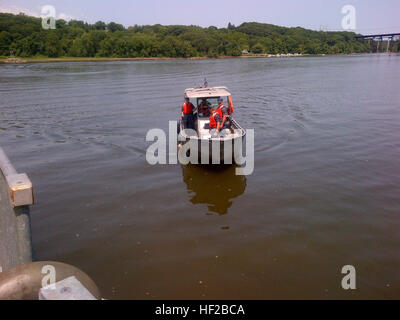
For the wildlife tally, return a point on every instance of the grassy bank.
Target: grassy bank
(4, 59)
(68, 59)
(8, 60)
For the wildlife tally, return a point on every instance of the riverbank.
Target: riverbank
(16, 60)
(82, 59)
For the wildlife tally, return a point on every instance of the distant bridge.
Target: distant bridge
(379, 38)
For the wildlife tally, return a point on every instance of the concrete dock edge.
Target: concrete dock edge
(15, 226)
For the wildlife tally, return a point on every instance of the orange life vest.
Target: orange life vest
(187, 108)
(230, 103)
(213, 123)
(219, 110)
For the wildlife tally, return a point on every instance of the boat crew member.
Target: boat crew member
(215, 122)
(205, 108)
(223, 113)
(187, 114)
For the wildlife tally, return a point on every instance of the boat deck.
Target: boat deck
(201, 130)
(204, 133)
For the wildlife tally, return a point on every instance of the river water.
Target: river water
(325, 191)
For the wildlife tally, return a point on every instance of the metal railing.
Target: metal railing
(15, 232)
(20, 278)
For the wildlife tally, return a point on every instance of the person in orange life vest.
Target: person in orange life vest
(187, 114)
(215, 122)
(223, 113)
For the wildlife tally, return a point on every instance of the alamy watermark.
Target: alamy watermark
(48, 17)
(49, 278)
(349, 280)
(349, 20)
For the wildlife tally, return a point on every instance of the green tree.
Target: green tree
(257, 48)
(100, 25)
(25, 36)
(231, 26)
(112, 26)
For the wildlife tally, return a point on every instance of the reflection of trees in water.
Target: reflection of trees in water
(214, 185)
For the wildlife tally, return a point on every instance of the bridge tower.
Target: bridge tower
(378, 44)
(390, 44)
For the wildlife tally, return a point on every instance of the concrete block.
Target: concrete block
(20, 189)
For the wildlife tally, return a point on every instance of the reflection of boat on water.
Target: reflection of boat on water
(215, 186)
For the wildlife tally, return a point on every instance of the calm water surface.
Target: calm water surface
(325, 191)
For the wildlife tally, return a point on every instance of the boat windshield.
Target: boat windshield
(205, 104)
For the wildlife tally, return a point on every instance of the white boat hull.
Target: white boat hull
(204, 149)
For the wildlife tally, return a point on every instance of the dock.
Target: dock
(16, 195)
(20, 277)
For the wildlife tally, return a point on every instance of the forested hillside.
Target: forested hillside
(25, 36)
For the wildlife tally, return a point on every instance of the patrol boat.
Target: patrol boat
(222, 149)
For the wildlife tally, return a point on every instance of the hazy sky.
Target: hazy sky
(372, 16)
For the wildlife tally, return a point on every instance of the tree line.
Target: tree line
(24, 36)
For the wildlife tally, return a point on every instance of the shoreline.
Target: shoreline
(83, 59)
(17, 60)
(94, 59)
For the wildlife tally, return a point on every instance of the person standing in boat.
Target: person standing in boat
(187, 114)
(223, 114)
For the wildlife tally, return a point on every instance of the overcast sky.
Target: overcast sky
(372, 16)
